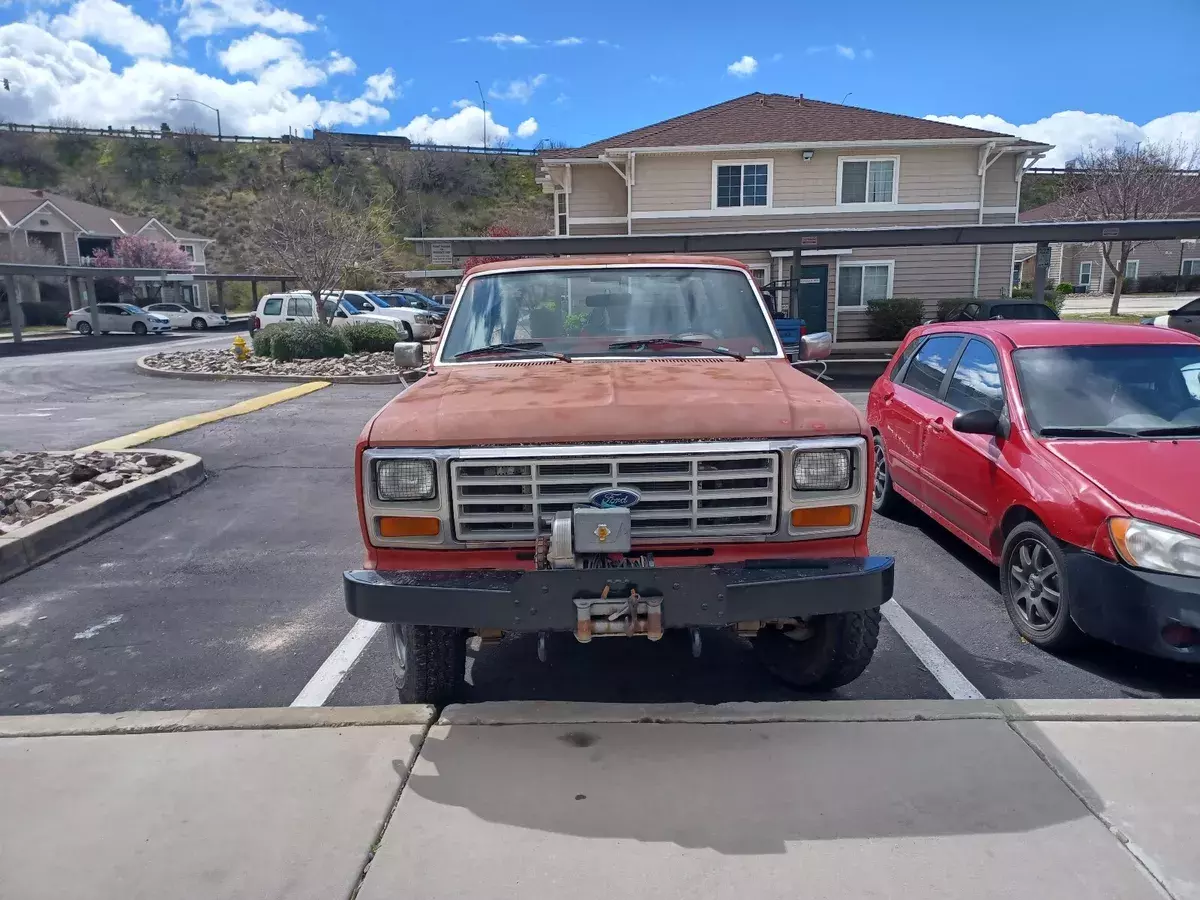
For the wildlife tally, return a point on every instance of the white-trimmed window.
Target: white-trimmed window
(741, 182)
(1085, 274)
(560, 213)
(867, 180)
(1131, 268)
(859, 283)
(1190, 267)
(189, 251)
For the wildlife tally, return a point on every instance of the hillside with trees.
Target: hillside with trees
(223, 190)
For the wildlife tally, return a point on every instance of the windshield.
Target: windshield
(357, 301)
(377, 300)
(581, 312)
(136, 310)
(1120, 388)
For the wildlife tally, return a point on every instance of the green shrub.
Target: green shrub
(371, 337)
(263, 337)
(308, 340)
(573, 324)
(1064, 287)
(1057, 299)
(1022, 293)
(891, 320)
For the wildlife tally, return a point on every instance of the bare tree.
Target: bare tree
(1139, 182)
(318, 237)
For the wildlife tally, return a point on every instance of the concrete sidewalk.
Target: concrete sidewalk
(898, 799)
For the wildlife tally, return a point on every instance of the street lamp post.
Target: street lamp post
(206, 106)
(484, 102)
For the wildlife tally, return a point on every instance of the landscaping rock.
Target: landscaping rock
(223, 362)
(41, 494)
(109, 479)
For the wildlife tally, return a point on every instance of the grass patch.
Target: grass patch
(1112, 320)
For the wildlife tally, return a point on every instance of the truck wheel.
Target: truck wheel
(427, 662)
(408, 335)
(835, 651)
(884, 499)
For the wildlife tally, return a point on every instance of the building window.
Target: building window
(1085, 274)
(189, 251)
(867, 180)
(742, 184)
(860, 283)
(1190, 267)
(560, 213)
(1131, 268)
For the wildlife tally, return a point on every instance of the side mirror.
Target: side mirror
(980, 421)
(409, 355)
(816, 346)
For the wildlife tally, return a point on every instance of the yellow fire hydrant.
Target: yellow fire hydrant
(240, 350)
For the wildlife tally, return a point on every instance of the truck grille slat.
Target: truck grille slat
(689, 495)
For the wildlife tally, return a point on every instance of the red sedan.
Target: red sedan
(1066, 453)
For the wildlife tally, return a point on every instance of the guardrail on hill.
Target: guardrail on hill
(342, 137)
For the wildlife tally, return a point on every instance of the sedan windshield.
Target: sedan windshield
(1150, 390)
(605, 311)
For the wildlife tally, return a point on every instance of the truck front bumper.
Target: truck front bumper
(551, 600)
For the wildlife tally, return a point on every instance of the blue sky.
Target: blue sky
(549, 72)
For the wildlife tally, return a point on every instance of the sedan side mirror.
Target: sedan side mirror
(816, 346)
(980, 421)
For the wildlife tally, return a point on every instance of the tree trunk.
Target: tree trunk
(1118, 278)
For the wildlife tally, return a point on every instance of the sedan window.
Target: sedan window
(929, 366)
(975, 383)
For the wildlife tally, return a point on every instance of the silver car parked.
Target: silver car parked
(124, 317)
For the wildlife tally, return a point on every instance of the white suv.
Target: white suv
(297, 306)
(416, 324)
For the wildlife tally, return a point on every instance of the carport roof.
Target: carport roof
(781, 118)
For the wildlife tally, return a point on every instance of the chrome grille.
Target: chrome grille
(690, 495)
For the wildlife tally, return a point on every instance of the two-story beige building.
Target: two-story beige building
(68, 232)
(773, 161)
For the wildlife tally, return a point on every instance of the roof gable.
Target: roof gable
(17, 203)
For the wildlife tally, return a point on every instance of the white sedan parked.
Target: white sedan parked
(118, 317)
(181, 316)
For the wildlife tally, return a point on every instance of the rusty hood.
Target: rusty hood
(665, 399)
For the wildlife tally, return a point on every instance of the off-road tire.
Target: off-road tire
(436, 661)
(84, 328)
(884, 499)
(139, 328)
(198, 324)
(838, 652)
(1062, 634)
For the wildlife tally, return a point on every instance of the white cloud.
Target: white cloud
(206, 17)
(381, 86)
(501, 39)
(67, 79)
(340, 65)
(567, 42)
(113, 24)
(1074, 132)
(462, 104)
(743, 68)
(279, 62)
(519, 90)
(843, 50)
(528, 128)
(464, 128)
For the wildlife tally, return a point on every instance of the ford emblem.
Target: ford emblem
(610, 497)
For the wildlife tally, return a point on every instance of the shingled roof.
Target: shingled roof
(779, 118)
(16, 203)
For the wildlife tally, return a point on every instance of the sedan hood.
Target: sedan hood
(1153, 479)
(663, 399)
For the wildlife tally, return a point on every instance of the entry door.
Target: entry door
(810, 295)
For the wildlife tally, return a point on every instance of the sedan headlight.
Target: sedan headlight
(405, 479)
(821, 470)
(1145, 545)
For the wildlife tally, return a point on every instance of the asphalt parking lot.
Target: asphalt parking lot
(230, 595)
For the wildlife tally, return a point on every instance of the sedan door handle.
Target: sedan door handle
(937, 426)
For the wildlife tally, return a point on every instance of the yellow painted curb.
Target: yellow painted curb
(166, 429)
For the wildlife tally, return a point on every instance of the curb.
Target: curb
(166, 722)
(58, 532)
(143, 369)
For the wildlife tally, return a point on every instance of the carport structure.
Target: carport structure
(802, 241)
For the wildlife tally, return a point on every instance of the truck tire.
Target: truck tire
(408, 334)
(838, 650)
(427, 662)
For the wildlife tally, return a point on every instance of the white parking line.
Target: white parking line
(948, 675)
(333, 671)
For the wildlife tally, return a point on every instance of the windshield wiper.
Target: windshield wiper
(1169, 431)
(1084, 431)
(667, 343)
(531, 347)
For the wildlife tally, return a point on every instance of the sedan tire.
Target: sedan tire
(884, 499)
(198, 324)
(1035, 588)
(84, 328)
(139, 328)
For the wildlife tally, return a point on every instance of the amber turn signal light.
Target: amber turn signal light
(822, 517)
(409, 526)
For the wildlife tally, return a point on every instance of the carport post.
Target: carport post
(73, 291)
(221, 294)
(1040, 273)
(14, 307)
(253, 294)
(93, 309)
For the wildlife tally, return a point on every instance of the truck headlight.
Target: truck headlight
(821, 470)
(1145, 545)
(425, 320)
(405, 479)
